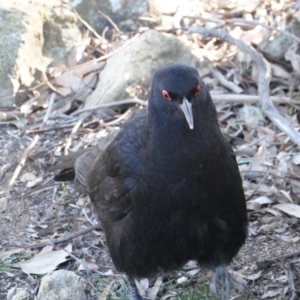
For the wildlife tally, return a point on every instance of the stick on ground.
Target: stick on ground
(263, 80)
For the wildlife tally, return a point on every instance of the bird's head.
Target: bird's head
(177, 88)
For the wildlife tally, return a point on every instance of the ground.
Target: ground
(40, 209)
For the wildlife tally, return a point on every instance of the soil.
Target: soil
(49, 210)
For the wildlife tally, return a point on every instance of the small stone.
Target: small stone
(33, 183)
(62, 285)
(27, 177)
(81, 202)
(182, 279)
(18, 294)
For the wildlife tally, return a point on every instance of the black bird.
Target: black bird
(167, 187)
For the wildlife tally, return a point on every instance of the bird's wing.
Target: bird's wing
(109, 175)
(85, 162)
(106, 183)
(66, 164)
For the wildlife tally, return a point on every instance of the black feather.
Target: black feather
(165, 193)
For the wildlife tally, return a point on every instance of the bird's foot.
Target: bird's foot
(221, 281)
(134, 293)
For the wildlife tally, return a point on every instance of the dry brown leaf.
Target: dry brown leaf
(7, 254)
(87, 85)
(19, 123)
(280, 72)
(88, 265)
(77, 53)
(287, 195)
(296, 159)
(283, 159)
(142, 286)
(35, 182)
(292, 56)
(239, 276)
(288, 239)
(105, 292)
(263, 188)
(152, 292)
(270, 294)
(251, 115)
(289, 208)
(70, 81)
(253, 276)
(268, 227)
(267, 134)
(256, 204)
(193, 272)
(253, 36)
(273, 212)
(45, 261)
(257, 163)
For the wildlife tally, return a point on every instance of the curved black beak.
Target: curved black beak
(186, 108)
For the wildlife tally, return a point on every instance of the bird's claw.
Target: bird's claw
(221, 281)
(134, 293)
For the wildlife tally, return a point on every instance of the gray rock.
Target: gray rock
(21, 41)
(128, 73)
(18, 294)
(89, 11)
(62, 285)
(276, 46)
(33, 36)
(61, 34)
(118, 10)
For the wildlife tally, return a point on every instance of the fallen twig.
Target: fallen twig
(18, 170)
(69, 139)
(110, 104)
(55, 241)
(259, 184)
(109, 19)
(228, 84)
(253, 23)
(46, 117)
(125, 115)
(50, 129)
(128, 42)
(263, 80)
(257, 23)
(49, 84)
(248, 99)
(20, 213)
(6, 170)
(269, 261)
(87, 25)
(10, 115)
(26, 153)
(291, 281)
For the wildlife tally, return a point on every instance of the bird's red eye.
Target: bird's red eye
(166, 95)
(198, 89)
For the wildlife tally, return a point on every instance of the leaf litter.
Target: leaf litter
(40, 210)
(45, 261)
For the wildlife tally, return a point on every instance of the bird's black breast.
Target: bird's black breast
(183, 206)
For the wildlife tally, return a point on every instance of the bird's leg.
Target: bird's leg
(134, 293)
(222, 280)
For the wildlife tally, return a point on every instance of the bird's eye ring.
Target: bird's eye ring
(166, 95)
(198, 89)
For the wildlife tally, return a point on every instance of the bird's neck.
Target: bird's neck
(172, 138)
